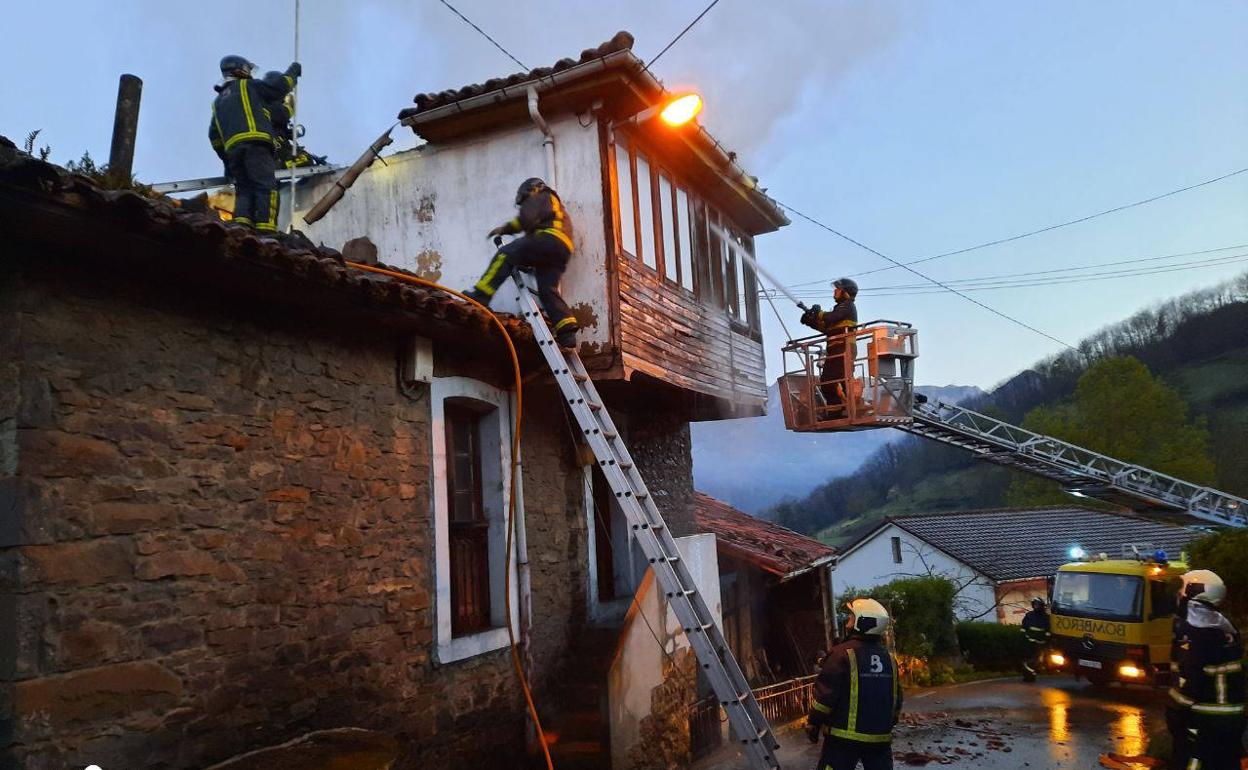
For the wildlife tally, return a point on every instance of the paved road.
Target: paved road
(1005, 725)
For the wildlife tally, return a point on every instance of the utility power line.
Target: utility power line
(1090, 278)
(1049, 228)
(483, 34)
(1074, 271)
(928, 278)
(698, 18)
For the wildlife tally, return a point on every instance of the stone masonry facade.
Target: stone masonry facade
(216, 535)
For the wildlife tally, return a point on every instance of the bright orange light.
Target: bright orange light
(681, 110)
(1130, 671)
(1057, 659)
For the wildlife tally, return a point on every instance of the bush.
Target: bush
(993, 646)
(922, 613)
(1223, 552)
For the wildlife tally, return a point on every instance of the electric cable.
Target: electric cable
(925, 277)
(676, 39)
(483, 34)
(1049, 228)
(916, 290)
(511, 501)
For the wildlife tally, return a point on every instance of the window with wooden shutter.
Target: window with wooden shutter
(469, 534)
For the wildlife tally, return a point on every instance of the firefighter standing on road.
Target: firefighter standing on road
(241, 132)
(545, 248)
(835, 373)
(1206, 717)
(857, 696)
(1036, 629)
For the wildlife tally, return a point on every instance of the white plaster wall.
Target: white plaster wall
(638, 665)
(429, 209)
(871, 564)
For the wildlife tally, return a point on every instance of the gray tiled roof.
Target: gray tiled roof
(1010, 544)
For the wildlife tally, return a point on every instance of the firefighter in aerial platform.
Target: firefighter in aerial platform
(545, 248)
(1206, 716)
(1036, 629)
(857, 695)
(835, 323)
(241, 133)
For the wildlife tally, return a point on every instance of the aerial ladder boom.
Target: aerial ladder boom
(750, 730)
(872, 386)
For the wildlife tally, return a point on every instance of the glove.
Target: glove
(811, 315)
(497, 231)
(295, 70)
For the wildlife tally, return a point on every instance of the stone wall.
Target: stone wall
(659, 441)
(218, 537)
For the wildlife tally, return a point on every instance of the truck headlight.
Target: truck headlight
(1130, 671)
(1057, 659)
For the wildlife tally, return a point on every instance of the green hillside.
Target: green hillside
(1197, 345)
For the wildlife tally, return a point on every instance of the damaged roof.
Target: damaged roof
(1020, 543)
(609, 79)
(153, 236)
(768, 546)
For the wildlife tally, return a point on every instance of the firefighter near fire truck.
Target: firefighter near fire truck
(1035, 628)
(834, 375)
(857, 695)
(1206, 713)
(241, 132)
(545, 248)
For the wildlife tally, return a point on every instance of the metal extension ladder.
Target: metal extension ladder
(1080, 471)
(750, 729)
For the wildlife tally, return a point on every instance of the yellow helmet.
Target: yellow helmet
(867, 617)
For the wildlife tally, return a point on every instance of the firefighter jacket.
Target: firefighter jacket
(242, 111)
(542, 213)
(858, 692)
(1036, 626)
(1208, 656)
(838, 320)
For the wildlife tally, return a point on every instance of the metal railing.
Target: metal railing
(781, 702)
(861, 379)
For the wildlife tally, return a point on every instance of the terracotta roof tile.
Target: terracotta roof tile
(622, 41)
(222, 246)
(768, 546)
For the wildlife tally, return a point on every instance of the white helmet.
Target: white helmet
(867, 617)
(1204, 585)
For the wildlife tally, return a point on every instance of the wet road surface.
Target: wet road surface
(1003, 725)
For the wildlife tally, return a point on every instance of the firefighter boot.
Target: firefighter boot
(478, 295)
(566, 339)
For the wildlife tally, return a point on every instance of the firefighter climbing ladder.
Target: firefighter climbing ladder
(749, 727)
(1080, 471)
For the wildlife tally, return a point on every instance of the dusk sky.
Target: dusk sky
(916, 127)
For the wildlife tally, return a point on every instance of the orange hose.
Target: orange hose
(511, 503)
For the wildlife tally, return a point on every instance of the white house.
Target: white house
(1001, 559)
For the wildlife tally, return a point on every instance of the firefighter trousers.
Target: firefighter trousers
(547, 257)
(254, 171)
(840, 754)
(1204, 743)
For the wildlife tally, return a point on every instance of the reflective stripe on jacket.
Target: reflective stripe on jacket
(1209, 662)
(241, 111)
(543, 213)
(1036, 626)
(837, 321)
(858, 693)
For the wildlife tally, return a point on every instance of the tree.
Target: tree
(1120, 409)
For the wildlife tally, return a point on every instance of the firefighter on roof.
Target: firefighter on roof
(857, 696)
(1206, 717)
(241, 133)
(835, 372)
(1036, 629)
(544, 248)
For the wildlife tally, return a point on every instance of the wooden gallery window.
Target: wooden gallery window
(682, 238)
(469, 528)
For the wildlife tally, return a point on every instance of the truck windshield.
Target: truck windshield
(1098, 595)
